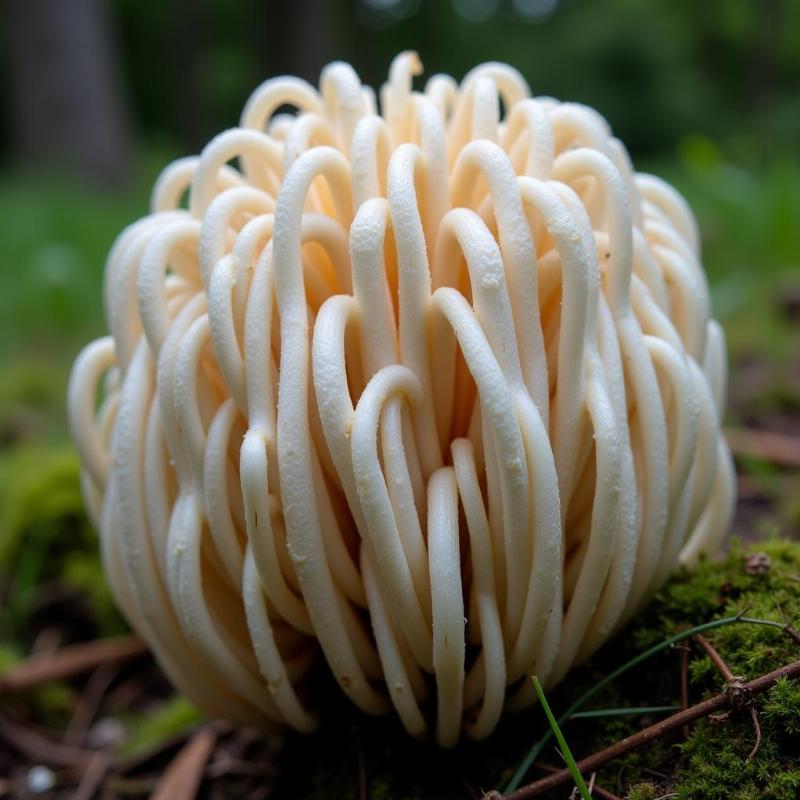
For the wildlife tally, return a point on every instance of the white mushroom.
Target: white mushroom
(434, 392)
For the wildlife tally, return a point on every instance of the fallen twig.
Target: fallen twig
(363, 783)
(684, 682)
(225, 765)
(69, 661)
(38, 748)
(716, 658)
(597, 791)
(620, 748)
(757, 728)
(144, 757)
(791, 632)
(88, 704)
(779, 448)
(734, 687)
(93, 776)
(123, 785)
(182, 778)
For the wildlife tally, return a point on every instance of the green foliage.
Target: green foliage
(56, 234)
(148, 728)
(562, 742)
(658, 70)
(45, 536)
(40, 504)
(54, 703)
(724, 588)
(10, 654)
(643, 791)
(783, 705)
(83, 572)
(716, 766)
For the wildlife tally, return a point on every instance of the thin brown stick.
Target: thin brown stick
(665, 726)
(39, 748)
(226, 765)
(779, 448)
(757, 728)
(714, 655)
(182, 778)
(88, 704)
(144, 758)
(596, 791)
(126, 786)
(363, 784)
(791, 632)
(684, 682)
(733, 684)
(70, 661)
(93, 776)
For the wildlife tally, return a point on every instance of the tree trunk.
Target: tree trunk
(66, 99)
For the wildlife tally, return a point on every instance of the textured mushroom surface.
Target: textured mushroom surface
(431, 393)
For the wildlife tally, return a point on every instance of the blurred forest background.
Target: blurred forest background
(99, 95)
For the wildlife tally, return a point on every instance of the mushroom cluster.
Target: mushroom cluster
(432, 390)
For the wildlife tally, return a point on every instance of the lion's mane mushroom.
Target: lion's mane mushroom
(433, 391)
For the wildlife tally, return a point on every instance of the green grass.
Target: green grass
(562, 742)
(748, 207)
(55, 235)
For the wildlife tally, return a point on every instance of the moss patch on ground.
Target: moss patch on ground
(712, 763)
(48, 549)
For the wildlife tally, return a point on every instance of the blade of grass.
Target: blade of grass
(562, 742)
(533, 753)
(596, 713)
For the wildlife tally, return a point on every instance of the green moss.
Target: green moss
(83, 572)
(32, 401)
(54, 703)
(46, 536)
(149, 728)
(723, 589)
(712, 763)
(643, 791)
(783, 705)
(10, 654)
(40, 497)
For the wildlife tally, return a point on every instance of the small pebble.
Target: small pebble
(40, 779)
(106, 732)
